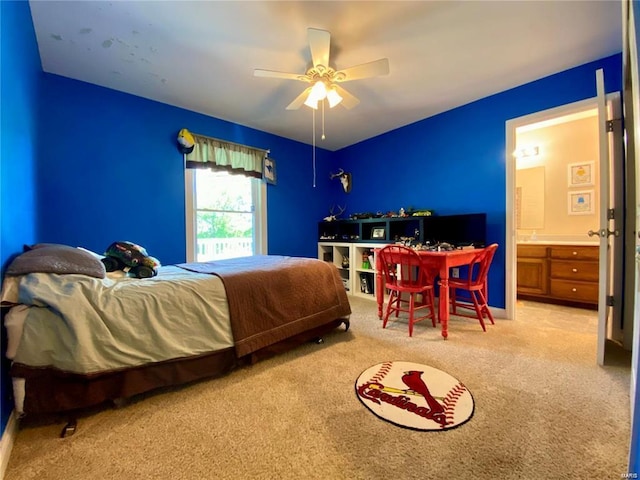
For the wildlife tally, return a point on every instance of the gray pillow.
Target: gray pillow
(42, 245)
(56, 259)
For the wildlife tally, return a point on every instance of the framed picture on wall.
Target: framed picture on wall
(581, 202)
(581, 174)
(269, 170)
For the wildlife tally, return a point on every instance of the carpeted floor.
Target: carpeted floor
(543, 410)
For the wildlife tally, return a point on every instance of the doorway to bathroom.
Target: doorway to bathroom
(555, 213)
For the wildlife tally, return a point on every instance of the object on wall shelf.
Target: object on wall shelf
(580, 174)
(377, 233)
(581, 202)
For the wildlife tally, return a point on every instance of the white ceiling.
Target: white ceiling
(201, 55)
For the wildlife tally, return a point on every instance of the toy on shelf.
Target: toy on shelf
(334, 216)
(130, 258)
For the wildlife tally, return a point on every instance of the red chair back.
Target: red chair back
(401, 266)
(405, 277)
(479, 266)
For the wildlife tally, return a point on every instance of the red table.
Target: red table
(441, 261)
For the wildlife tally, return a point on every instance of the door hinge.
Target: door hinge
(614, 125)
(611, 214)
(610, 301)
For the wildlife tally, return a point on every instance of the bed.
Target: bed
(78, 337)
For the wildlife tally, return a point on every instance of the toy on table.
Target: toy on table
(131, 258)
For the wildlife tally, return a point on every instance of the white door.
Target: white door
(611, 211)
(632, 236)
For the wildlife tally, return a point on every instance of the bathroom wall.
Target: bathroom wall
(557, 191)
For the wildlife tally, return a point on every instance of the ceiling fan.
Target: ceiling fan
(325, 79)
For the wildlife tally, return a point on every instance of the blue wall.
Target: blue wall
(19, 79)
(111, 171)
(455, 162)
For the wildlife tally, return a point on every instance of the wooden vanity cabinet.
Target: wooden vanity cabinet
(533, 270)
(563, 274)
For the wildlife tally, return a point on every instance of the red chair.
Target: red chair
(475, 284)
(405, 274)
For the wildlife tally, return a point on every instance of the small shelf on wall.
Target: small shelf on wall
(339, 231)
(462, 229)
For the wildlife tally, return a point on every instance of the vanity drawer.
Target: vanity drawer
(532, 251)
(574, 252)
(585, 271)
(574, 291)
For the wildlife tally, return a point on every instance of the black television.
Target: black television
(460, 230)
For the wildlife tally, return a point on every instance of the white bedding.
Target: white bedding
(82, 324)
(14, 323)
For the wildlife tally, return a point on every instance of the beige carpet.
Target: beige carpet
(543, 410)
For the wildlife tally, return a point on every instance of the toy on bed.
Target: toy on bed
(131, 258)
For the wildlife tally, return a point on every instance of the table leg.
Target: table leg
(443, 307)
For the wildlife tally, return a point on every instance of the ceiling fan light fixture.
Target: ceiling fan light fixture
(323, 80)
(333, 97)
(318, 91)
(311, 102)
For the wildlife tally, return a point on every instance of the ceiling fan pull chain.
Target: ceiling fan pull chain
(313, 113)
(323, 137)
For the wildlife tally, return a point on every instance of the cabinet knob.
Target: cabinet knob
(574, 289)
(574, 253)
(574, 270)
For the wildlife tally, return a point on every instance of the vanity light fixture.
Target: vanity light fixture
(527, 152)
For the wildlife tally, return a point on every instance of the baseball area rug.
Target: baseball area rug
(414, 396)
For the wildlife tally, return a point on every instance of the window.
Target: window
(226, 215)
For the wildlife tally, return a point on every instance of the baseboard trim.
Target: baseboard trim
(499, 313)
(6, 443)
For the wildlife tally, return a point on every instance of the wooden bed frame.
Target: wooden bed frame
(49, 391)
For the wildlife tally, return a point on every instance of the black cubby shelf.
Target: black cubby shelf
(459, 229)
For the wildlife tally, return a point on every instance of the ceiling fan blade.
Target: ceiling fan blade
(348, 100)
(319, 41)
(299, 101)
(271, 74)
(365, 70)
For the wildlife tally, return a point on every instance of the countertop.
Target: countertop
(589, 243)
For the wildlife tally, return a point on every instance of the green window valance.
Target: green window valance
(221, 155)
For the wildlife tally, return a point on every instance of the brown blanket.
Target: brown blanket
(274, 297)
